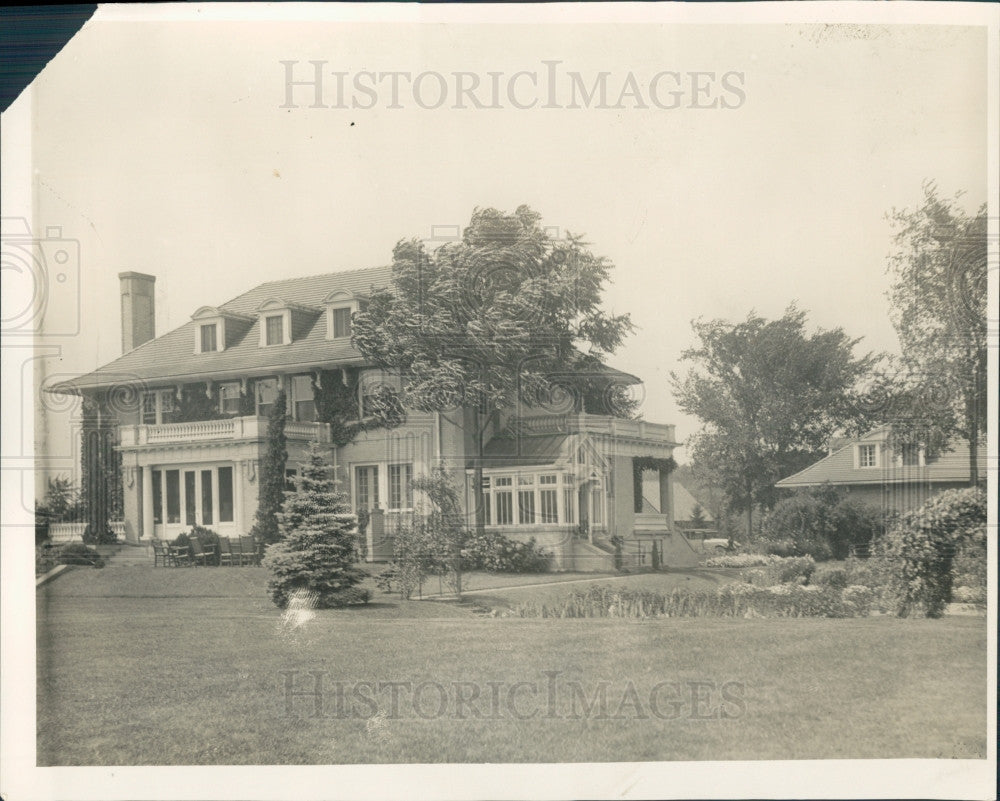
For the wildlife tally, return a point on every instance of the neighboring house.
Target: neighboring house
(565, 479)
(893, 478)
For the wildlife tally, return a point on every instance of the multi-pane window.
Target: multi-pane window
(341, 323)
(229, 398)
(302, 398)
(206, 497)
(867, 456)
(157, 407)
(190, 500)
(366, 487)
(173, 496)
(274, 329)
(267, 394)
(225, 494)
(400, 489)
(198, 494)
(538, 498)
(910, 455)
(149, 408)
(209, 341)
(504, 499)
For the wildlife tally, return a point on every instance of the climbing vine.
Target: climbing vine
(641, 463)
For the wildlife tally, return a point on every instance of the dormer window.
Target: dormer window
(341, 322)
(209, 338)
(282, 323)
(218, 329)
(340, 306)
(274, 329)
(867, 456)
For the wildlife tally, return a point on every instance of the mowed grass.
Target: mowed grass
(158, 667)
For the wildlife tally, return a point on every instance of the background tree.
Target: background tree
(938, 302)
(769, 396)
(492, 320)
(271, 476)
(316, 552)
(698, 517)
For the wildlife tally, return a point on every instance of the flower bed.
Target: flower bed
(731, 600)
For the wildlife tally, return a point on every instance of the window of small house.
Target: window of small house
(341, 323)
(209, 342)
(866, 456)
(274, 330)
(911, 455)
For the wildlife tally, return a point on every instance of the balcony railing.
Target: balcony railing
(593, 424)
(230, 429)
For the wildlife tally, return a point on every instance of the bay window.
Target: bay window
(205, 494)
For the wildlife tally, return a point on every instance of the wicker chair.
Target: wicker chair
(226, 555)
(249, 552)
(178, 555)
(199, 555)
(161, 553)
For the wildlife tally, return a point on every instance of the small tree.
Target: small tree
(921, 548)
(698, 517)
(271, 478)
(446, 529)
(655, 556)
(316, 551)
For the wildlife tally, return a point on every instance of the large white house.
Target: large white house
(191, 409)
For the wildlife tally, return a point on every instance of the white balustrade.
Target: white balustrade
(233, 428)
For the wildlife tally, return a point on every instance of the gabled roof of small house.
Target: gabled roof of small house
(839, 468)
(168, 358)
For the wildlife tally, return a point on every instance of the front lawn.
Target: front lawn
(157, 667)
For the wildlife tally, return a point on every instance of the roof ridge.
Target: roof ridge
(322, 275)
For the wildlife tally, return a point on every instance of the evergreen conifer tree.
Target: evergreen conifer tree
(316, 551)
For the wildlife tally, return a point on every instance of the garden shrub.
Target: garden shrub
(923, 544)
(740, 560)
(837, 578)
(495, 553)
(77, 553)
(821, 523)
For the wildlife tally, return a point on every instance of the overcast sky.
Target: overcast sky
(163, 148)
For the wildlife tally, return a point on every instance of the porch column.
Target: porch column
(147, 502)
(667, 498)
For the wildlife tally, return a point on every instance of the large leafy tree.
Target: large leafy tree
(769, 396)
(938, 297)
(493, 319)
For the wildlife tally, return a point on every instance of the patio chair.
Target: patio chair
(161, 553)
(178, 555)
(249, 552)
(226, 555)
(198, 554)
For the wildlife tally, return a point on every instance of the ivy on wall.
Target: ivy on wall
(100, 470)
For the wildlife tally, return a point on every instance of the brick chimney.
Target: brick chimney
(138, 309)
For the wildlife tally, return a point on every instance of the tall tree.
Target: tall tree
(938, 298)
(271, 478)
(487, 321)
(769, 396)
(315, 554)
